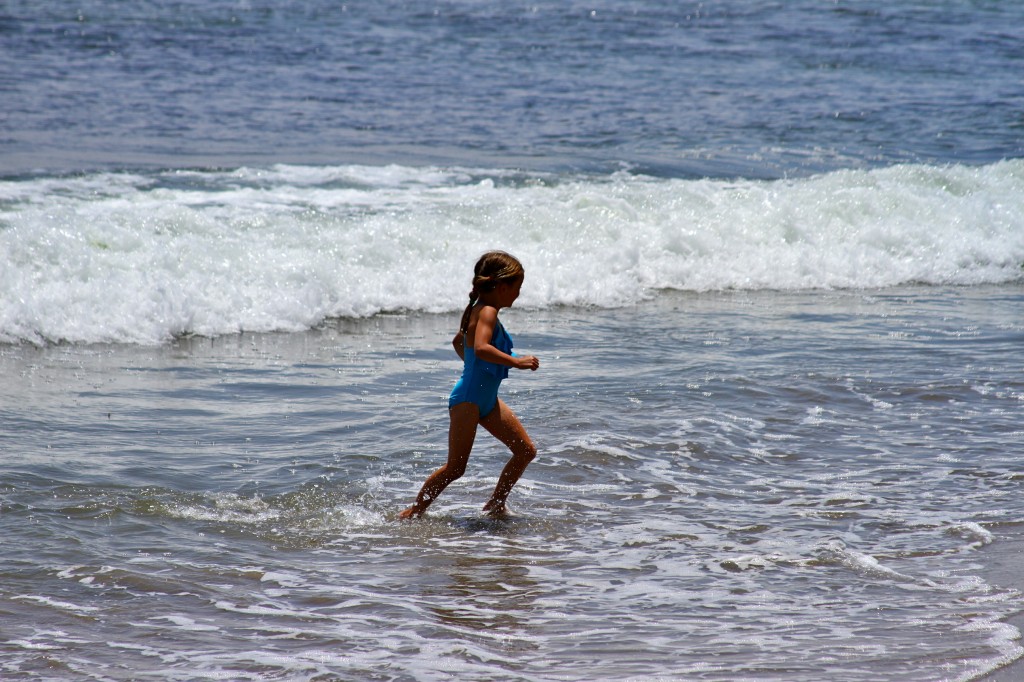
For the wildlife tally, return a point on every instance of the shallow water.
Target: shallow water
(744, 485)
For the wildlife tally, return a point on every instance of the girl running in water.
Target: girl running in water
(486, 349)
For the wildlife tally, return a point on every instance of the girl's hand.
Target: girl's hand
(527, 362)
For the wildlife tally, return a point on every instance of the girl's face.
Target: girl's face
(508, 292)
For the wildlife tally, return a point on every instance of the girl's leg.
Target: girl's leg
(461, 433)
(505, 426)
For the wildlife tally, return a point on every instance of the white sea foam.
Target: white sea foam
(58, 604)
(141, 258)
(227, 508)
(978, 535)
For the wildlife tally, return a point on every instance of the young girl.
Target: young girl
(486, 350)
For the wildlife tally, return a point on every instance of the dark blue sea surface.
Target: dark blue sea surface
(754, 88)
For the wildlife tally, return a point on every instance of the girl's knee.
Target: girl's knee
(527, 450)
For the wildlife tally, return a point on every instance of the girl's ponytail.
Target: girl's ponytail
(464, 324)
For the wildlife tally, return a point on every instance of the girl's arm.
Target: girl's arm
(486, 321)
(460, 345)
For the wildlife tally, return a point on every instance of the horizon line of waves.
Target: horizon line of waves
(143, 261)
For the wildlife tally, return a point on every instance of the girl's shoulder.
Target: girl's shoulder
(487, 314)
(484, 310)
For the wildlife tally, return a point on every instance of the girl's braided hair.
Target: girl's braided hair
(493, 268)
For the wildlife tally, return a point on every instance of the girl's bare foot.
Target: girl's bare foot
(496, 508)
(410, 513)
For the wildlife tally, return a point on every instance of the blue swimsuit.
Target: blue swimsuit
(480, 379)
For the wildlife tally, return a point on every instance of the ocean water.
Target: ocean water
(751, 88)
(774, 275)
(740, 485)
